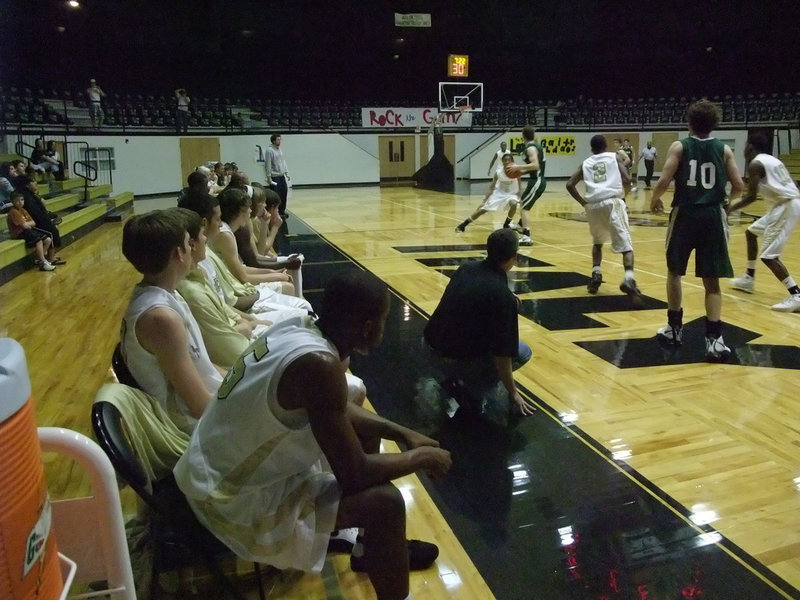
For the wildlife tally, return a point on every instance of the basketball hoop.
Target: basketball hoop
(464, 108)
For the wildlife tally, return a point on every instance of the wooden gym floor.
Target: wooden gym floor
(644, 474)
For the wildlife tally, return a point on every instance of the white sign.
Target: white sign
(412, 20)
(395, 116)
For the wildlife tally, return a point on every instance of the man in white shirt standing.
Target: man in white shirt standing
(95, 95)
(649, 155)
(182, 110)
(277, 173)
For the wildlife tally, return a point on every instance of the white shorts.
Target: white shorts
(356, 390)
(499, 200)
(608, 219)
(775, 227)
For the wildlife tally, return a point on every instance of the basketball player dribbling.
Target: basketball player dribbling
(535, 164)
(503, 193)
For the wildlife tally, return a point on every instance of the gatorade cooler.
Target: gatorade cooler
(29, 565)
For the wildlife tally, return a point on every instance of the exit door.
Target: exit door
(396, 155)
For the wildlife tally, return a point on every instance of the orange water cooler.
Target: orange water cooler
(29, 563)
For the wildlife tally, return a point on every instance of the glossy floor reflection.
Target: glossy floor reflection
(542, 510)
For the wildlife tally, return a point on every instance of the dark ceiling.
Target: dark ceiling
(316, 48)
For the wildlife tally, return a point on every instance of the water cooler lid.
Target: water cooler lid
(15, 385)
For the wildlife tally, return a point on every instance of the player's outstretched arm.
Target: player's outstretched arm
(755, 172)
(732, 170)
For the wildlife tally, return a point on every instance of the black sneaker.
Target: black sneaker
(343, 540)
(421, 555)
(628, 286)
(594, 284)
(459, 229)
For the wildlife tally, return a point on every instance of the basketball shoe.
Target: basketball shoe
(716, 350)
(790, 304)
(671, 335)
(594, 284)
(421, 555)
(745, 283)
(525, 240)
(628, 286)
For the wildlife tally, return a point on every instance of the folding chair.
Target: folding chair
(121, 369)
(179, 540)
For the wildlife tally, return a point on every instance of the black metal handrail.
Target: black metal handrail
(20, 147)
(107, 152)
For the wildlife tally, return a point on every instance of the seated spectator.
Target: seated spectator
(313, 461)
(161, 342)
(254, 240)
(226, 333)
(197, 182)
(7, 173)
(21, 226)
(211, 182)
(219, 174)
(243, 297)
(37, 156)
(53, 159)
(35, 205)
(235, 211)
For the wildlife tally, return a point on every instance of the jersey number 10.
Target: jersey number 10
(708, 174)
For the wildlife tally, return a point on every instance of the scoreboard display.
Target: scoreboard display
(457, 65)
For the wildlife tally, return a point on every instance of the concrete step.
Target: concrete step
(62, 202)
(120, 207)
(98, 191)
(68, 184)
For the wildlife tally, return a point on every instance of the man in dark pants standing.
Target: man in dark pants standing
(277, 173)
(473, 333)
(649, 155)
(701, 166)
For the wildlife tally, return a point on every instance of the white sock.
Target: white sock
(789, 282)
(596, 269)
(628, 274)
(358, 547)
(751, 264)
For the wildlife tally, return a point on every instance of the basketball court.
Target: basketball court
(643, 471)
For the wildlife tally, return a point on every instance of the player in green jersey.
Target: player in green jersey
(701, 166)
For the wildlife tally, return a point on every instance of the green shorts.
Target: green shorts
(704, 229)
(533, 192)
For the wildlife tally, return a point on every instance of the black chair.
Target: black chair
(121, 369)
(179, 540)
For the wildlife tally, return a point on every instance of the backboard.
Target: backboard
(460, 96)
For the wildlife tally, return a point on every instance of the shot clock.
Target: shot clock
(457, 65)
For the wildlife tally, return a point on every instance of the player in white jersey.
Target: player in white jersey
(281, 458)
(497, 158)
(161, 342)
(503, 194)
(768, 176)
(605, 176)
